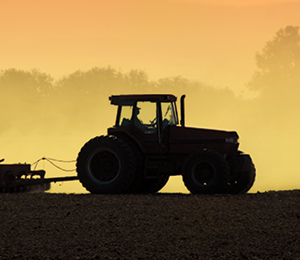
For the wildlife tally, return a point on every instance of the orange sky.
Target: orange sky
(209, 40)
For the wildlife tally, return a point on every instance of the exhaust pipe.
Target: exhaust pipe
(182, 119)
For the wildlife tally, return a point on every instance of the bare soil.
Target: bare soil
(161, 226)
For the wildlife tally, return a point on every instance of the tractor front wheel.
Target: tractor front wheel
(205, 172)
(243, 174)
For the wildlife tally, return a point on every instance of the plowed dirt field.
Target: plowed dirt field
(161, 226)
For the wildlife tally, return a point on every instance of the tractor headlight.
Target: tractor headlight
(231, 140)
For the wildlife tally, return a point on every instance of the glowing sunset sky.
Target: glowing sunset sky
(209, 40)
(213, 41)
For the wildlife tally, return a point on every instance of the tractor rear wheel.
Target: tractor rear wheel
(243, 172)
(205, 172)
(106, 165)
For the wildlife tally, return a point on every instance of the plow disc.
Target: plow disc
(20, 178)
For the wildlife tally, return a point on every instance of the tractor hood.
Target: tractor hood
(190, 139)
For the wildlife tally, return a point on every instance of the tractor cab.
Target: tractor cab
(149, 113)
(145, 117)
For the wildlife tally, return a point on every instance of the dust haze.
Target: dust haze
(46, 117)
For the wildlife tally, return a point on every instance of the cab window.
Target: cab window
(144, 117)
(126, 114)
(168, 114)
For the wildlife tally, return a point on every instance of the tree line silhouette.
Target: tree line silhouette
(35, 97)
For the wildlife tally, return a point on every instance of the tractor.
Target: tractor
(147, 145)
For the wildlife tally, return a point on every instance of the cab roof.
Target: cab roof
(121, 99)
